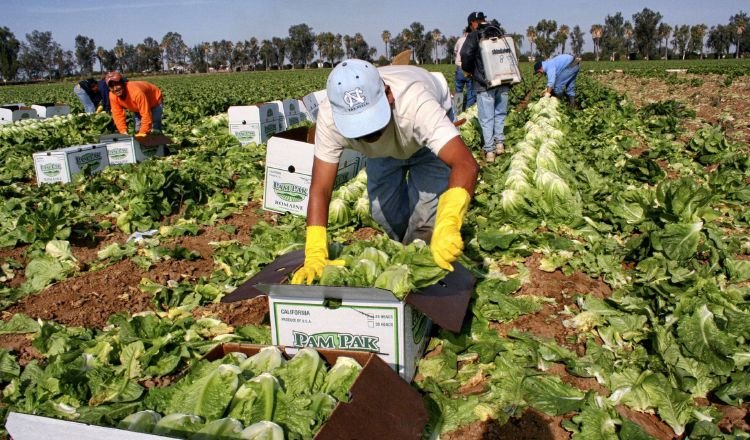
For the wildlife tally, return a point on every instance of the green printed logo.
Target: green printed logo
(245, 135)
(270, 129)
(290, 192)
(89, 158)
(343, 341)
(118, 153)
(51, 169)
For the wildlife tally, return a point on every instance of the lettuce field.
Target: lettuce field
(611, 247)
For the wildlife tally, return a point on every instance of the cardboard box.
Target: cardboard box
(289, 162)
(62, 164)
(253, 123)
(10, 113)
(381, 406)
(365, 319)
(312, 102)
(290, 113)
(48, 110)
(123, 149)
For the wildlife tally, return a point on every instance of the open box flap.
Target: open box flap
(445, 303)
(299, 134)
(154, 140)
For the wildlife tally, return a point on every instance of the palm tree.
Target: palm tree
(165, 42)
(436, 35)
(628, 29)
(597, 31)
(348, 40)
(664, 31)
(740, 31)
(562, 36)
(120, 53)
(531, 36)
(100, 54)
(386, 36)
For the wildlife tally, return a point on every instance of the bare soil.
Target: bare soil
(90, 298)
(714, 102)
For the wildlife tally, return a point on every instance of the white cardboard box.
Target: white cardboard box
(289, 162)
(31, 427)
(62, 164)
(253, 123)
(50, 110)
(291, 112)
(312, 102)
(122, 149)
(358, 318)
(10, 113)
(367, 319)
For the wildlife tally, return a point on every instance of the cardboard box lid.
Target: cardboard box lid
(445, 302)
(115, 137)
(77, 148)
(45, 105)
(263, 112)
(382, 405)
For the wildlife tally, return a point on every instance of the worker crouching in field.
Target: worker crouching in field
(93, 94)
(420, 174)
(140, 97)
(561, 72)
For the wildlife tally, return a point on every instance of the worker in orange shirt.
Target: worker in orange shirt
(140, 97)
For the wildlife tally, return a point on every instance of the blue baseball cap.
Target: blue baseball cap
(358, 100)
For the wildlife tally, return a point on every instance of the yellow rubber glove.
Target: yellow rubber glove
(316, 256)
(99, 109)
(447, 244)
(140, 136)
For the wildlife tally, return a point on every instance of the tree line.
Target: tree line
(645, 37)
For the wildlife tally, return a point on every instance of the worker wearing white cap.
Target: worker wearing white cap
(420, 174)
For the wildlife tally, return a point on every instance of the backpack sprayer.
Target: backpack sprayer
(499, 58)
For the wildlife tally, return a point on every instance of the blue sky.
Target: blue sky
(206, 20)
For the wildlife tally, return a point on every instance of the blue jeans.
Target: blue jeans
(566, 79)
(155, 118)
(88, 104)
(461, 81)
(492, 106)
(404, 193)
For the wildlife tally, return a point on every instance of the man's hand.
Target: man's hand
(316, 256)
(547, 92)
(99, 109)
(447, 243)
(140, 136)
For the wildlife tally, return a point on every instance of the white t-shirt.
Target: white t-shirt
(457, 49)
(418, 118)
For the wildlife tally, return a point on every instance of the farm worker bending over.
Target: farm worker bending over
(420, 173)
(93, 94)
(140, 97)
(561, 72)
